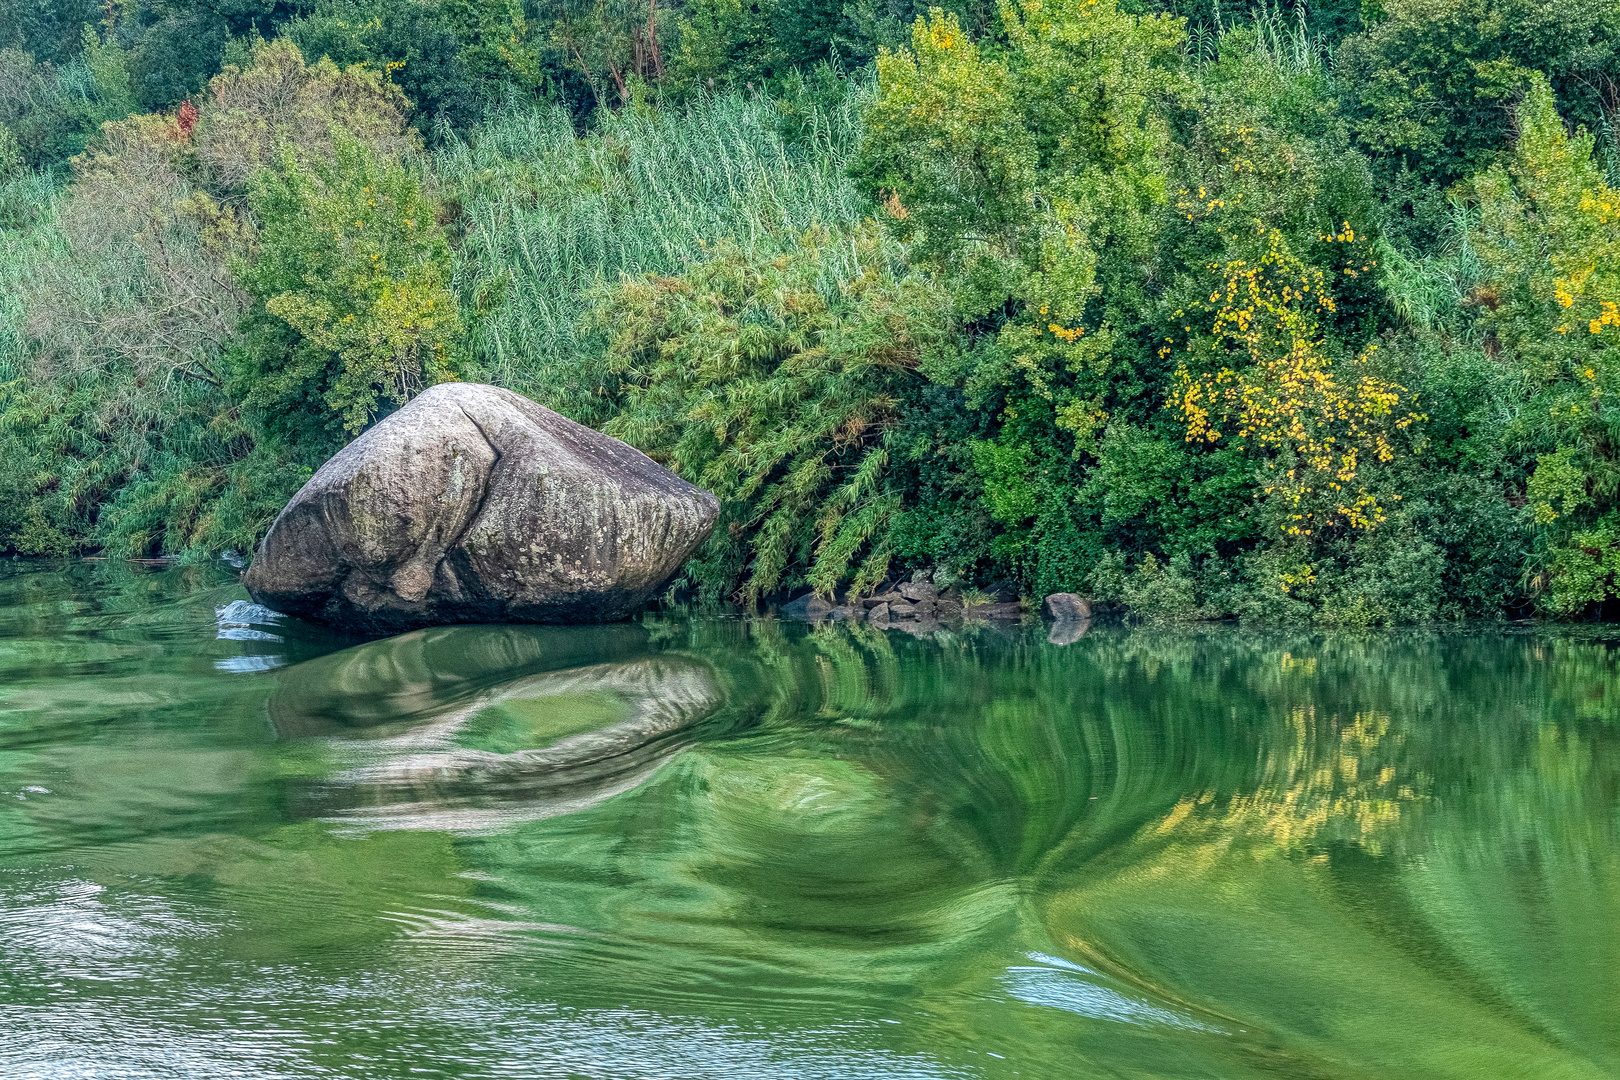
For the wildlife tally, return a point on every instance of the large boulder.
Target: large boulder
(474, 504)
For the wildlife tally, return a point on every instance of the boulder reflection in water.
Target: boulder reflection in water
(472, 728)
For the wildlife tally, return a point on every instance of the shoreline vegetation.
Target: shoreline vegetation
(1289, 316)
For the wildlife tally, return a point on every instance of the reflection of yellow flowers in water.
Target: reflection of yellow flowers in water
(1345, 790)
(1304, 665)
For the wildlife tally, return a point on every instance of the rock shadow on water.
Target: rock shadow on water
(474, 728)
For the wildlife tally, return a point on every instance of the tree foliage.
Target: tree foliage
(1435, 82)
(355, 313)
(1549, 241)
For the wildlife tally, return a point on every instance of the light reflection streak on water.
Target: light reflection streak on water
(237, 621)
(62, 924)
(268, 1031)
(1060, 984)
(65, 931)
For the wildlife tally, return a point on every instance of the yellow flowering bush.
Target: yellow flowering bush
(1316, 428)
(1582, 218)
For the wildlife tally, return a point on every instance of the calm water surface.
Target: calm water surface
(718, 848)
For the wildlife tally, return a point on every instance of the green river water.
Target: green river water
(691, 848)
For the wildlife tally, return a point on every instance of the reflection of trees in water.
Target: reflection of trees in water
(1316, 838)
(1022, 757)
(1299, 841)
(1281, 854)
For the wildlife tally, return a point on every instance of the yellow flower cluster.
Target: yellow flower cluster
(1590, 271)
(1313, 428)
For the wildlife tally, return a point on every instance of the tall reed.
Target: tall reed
(1427, 289)
(27, 233)
(1287, 43)
(1609, 145)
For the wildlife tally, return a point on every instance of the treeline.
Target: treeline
(1281, 315)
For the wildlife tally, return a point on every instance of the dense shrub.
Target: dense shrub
(776, 382)
(129, 426)
(354, 312)
(1434, 82)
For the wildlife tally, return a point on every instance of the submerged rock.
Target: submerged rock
(808, 607)
(1067, 605)
(473, 504)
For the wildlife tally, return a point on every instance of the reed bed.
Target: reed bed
(550, 217)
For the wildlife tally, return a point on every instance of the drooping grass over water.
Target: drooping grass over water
(550, 215)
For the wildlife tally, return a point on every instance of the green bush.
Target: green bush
(49, 111)
(1433, 83)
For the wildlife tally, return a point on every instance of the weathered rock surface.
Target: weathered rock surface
(475, 504)
(918, 592)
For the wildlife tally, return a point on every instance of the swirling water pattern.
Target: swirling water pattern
(233, 846)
